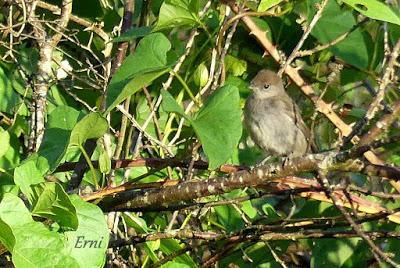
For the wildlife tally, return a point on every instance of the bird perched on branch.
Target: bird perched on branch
(272, 118)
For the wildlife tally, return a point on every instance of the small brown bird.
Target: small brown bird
(273, 119)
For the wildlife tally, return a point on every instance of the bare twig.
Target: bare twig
(141, 129)
(219, 77)
(122, 49)
(90, 26)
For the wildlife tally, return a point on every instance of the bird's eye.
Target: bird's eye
(266, 86)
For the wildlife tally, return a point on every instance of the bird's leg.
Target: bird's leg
(286, 160)
(267, 160)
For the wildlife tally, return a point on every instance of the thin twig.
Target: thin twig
(141, 129)
(376, 104)
(377, 252)
(306, 33)
(303, 53)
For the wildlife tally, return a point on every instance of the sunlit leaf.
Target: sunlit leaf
(375, 10)
(218, 125)
(4, 142)
(91, 126)
(175, 13)
(267, 4)
(52, 202)
(139, 69)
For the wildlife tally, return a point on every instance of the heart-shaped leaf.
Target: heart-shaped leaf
(139, 69)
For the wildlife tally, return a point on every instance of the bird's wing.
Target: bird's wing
(293, 112)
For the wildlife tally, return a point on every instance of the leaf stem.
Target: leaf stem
(89, 162)
(187, 89)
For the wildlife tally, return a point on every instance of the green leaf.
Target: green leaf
(11, 158)
(258, 253)
(31, 244)
(88, 244)
(200, 76)
(104, 162)
(131, 86)
(137, 223)
(91, 126)
(170, 246)
(177, 13)
(9, 98)
(55, 143)
(6, 236)
(88, 8)
(249, 209)
(177, 264)
(393, 244)
(229, 217)
(332, 252)
(151, 247)
(28, 174)
(361, 256)
(64, 117)
(394, 33)
(4, 142)
(235, 66)
(52, 202)
(333, 23)
(270, 211)
(375, 10)
(139, 69)
(267, 4)
(61, 121)
(218, 125)
(170, 105)
(133, 33)
(263, 26)
(143, 112)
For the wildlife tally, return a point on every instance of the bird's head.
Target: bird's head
(266, 83)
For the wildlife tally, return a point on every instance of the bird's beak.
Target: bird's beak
(252, 87)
